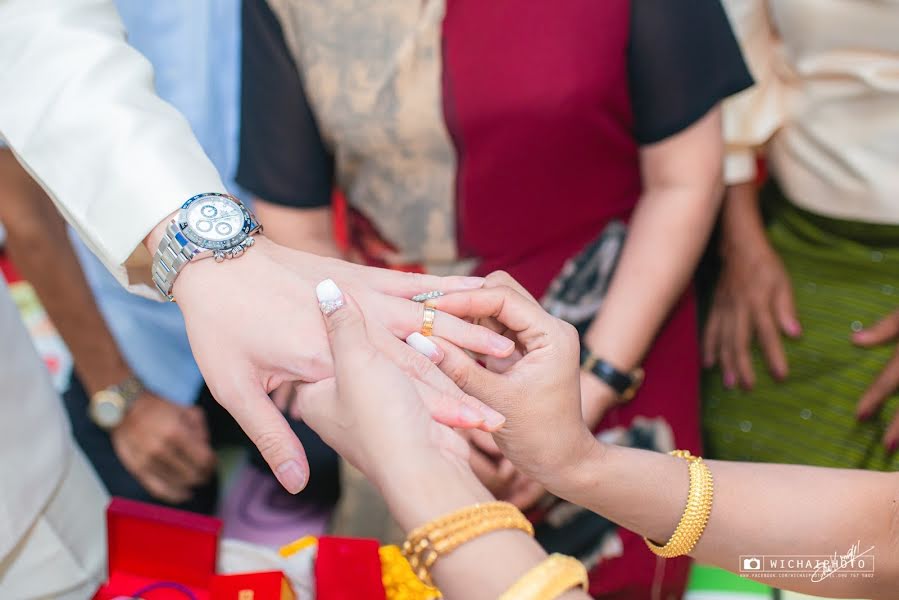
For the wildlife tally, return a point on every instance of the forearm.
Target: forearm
(667, 233)
(742, 226)
(472, 571)
(87, 123)
(306, 229)
(758, 509)
(38, 244)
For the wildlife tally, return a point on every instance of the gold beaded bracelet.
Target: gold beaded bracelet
(441, 536)
(548, 580)
(696, 514)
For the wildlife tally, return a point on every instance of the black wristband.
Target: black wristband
(624, 384)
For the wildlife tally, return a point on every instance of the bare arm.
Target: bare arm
(759, 509)
(306, 229)
(39, 246)
(164, 446)
(669, 229)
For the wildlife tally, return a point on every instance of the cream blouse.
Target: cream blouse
(825, 109)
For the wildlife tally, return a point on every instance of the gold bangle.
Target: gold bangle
(696, 514)
(441, 536)
(550, 579)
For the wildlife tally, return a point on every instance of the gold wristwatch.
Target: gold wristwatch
(108, 406)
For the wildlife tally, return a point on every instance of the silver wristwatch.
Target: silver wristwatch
(208, 225)
(107, 407)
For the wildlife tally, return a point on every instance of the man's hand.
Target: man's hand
(254, 323)
(165, 446)
(887, 383)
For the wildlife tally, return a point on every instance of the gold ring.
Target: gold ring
(427, 323)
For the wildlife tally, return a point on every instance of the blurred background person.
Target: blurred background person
(144, 418)
(803, 328)
(469, 137)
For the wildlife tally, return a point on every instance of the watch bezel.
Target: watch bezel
(107, 398)
(237, 239)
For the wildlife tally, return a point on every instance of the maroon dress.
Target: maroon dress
(470, 136)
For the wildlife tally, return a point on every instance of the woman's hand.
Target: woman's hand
(754, 296)
(539, 395)
(887, 383)
(382, 421)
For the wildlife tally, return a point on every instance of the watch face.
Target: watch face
(107, 409)
(214, 221)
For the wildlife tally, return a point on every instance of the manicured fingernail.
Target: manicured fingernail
(793, 328)
(502, 345)
(423, 345)
(729, 380)
(473, 283)
(891, 446)
(492, 419)
(329, 296)
(291, 476)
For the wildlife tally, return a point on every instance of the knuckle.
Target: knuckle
(270, 444)
(460, 375)
(415, 279)
(499, 278)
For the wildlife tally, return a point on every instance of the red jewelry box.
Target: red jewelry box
(348, 569)
(270, 585)
(148, 544)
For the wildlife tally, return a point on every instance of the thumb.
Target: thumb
(884, 331)
(351, 348)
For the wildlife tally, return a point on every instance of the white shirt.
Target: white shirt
(79, 110)
(825, 109)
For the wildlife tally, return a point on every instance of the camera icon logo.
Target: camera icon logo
(752, 563)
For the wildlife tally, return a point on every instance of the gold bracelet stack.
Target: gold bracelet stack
(441, 536)
(696, 514)
(548, 580)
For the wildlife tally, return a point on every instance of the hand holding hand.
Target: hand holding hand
(382, 422)
(165, 447)
(887, 383)
(539, 395)
(253, 324)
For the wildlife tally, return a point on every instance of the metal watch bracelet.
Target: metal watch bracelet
(173, 253)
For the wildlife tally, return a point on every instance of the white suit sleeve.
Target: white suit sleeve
(79, 110)
(752, 116)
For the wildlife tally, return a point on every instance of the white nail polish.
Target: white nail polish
(423, 345)
(329, 296)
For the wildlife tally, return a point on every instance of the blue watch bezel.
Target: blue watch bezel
(193, 236)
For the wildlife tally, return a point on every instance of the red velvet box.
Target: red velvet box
(269, 585)
(348, 569)
(149, 544)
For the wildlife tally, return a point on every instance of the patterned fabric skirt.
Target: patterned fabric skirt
(845, 276)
